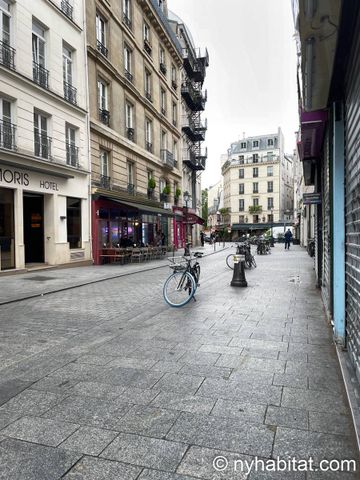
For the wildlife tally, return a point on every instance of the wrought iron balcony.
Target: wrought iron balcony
(195, 99)
(70, 93)
(130, 132)
(101, 48)
(131, 188)
(7, 56)
(40, 75)
(174, 84)
(151, 194)
(42, 145)
(67, 9)
(148, 96)
(163, 111)
(195, 63)
(194, 128)
(167, 158)
(174, 122)
(105, 182)
(128, 75)
(147, 47)
(149, 146)
(127, 21)
(164, 197)
(163, 68)
(104, 116)
(7, 135)
(72, 155)
(195, 160)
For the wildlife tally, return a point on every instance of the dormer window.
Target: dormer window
(255, 144)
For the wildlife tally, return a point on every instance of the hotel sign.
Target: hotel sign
(15, 177)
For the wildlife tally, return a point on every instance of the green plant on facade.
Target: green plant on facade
(177, 193)
(151, 183)
(255, 209)
(166, 190)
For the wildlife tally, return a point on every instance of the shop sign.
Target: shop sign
(48, 185)
(311, 198)
(14, 177)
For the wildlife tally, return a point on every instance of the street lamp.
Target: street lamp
(186, 211)
(272, 223)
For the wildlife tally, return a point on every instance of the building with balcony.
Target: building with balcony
(44, 162)
(194, 97)
(258, 184)
(134, 63)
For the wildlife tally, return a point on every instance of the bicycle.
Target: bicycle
(181, 285)
(243, 248)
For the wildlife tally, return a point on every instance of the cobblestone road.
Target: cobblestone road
(107, 382)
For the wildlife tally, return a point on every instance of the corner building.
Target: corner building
(134, 62)
(44, 170)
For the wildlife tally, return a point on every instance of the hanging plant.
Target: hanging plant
(151, 183)
(166, 190)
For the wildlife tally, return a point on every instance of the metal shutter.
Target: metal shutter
(326, 263)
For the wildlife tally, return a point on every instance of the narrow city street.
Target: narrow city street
(105, 381)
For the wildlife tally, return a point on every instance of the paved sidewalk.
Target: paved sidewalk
(43, 281)
(106, 382)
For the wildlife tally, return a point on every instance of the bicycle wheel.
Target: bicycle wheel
(230, 261)
(196, 272)
(179, 289)
(253, 262)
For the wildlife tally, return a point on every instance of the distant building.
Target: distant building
(215, 203)
(258, 184)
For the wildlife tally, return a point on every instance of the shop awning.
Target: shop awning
(189, 216)
(141, 207)
(312, 134)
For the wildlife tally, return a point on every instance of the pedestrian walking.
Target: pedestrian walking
(288, 236)
(202, 238)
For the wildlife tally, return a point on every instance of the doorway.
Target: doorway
(34, 228)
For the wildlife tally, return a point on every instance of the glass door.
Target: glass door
(7, 229)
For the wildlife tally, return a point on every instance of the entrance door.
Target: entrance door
(7, 230)
(34, 228)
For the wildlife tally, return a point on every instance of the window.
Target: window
(40, 74)
(270, 171)
(270, 218)
(69, 90)
(7, 129)
(255, 172)
(163, 140)
(148, 135)
(162, 185)
(241, 173)
(127, 63)
(270, 203)
(130, 177)
(41, 140)
(255, 158)
(174, 153)
(241, 205)
(241, 188)
(255, 218)
(255, 202)
(71, 148)
(270, 186)
(241, 218)
(163, 101)
(173, 77)
(104, 163)
(162, 61)
(148, 84)
(255, 144)
(255, 187)
(127, 12)
(73, 221)
(104, 114)
(270, 142)
(129, 121)
(67, 8)
(174, 113)
(243, 145)
(146, 33)
(7, 53)
(241, 159)
(101, 35)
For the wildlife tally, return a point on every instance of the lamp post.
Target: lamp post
(186, 211)
(218, 224)
(272, 223)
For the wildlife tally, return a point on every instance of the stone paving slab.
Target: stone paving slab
(89, 440)
(89, 468)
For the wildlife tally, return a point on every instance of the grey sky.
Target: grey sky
(251, 80)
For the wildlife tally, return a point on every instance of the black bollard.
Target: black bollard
(239, 279)
(187, 250)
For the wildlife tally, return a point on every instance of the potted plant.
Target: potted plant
(177, 192)
(151, 183)
(166, 190)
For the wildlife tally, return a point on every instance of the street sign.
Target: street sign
(311, 198)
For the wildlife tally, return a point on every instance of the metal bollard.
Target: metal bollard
(239, 279)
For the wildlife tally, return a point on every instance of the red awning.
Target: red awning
(189, 216)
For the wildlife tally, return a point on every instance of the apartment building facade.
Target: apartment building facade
(134, 76)
(44, 168)
(194, 155)
(258, 184)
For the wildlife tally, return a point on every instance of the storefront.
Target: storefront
(185, 221)
(43, 218)
(119, 223)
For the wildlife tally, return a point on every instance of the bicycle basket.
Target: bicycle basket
(177, 263)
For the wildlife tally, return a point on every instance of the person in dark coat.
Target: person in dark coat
(288, 236)
(202, 238)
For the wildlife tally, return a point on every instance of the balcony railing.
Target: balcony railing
(40, 75)
(130, 132)
(148, 96)
(131, 188)
(167, 158)
(70, 93)
(67, 9)
(195, 63)
(101, 48)
(105, 182)
(72, 155)
(194, 98)
(194, 128)
(195, 160)
(42, 145)
(149, 146)
(7, 135)
(7, 56)
(128, 76)
(163, 68)
(164, 197)
(127, 21)
(147, 47)
(163, 111)
(174, 84)
(104, 116)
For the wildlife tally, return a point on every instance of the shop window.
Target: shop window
(73, 216)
